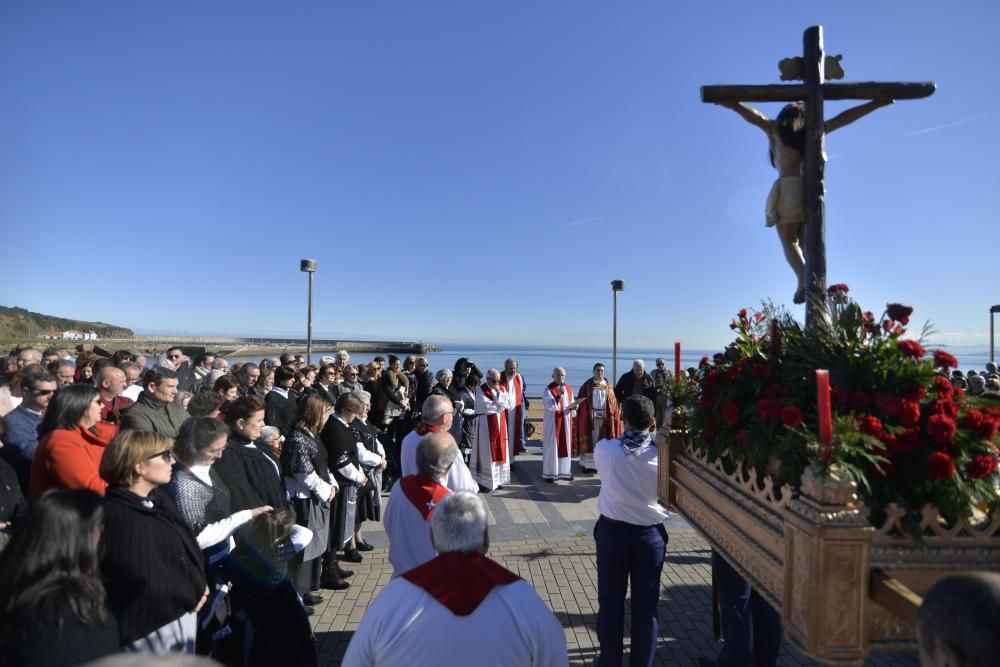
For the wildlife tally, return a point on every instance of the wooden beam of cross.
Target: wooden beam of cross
(813, 91)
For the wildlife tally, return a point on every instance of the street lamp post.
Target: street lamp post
(993, 311)
(616, 286)
(309, 266)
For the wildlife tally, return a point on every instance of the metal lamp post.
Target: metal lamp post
(616, 286)
(309, 266)
(993, 311)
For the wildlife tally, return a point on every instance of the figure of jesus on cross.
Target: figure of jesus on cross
(796, 202)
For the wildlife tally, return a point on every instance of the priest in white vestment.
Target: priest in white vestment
(460, 608)
(489, 461)
(407, 517)
(557, 428)
(513, 383)
(435, 417)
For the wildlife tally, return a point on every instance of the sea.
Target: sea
(536, 362)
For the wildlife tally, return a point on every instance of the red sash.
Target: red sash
(518, 385)
(562, 444)
(460, 581)
(423, 429)
(498, 433)
(425, 493)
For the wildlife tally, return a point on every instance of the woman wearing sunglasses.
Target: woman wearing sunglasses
(152, 564)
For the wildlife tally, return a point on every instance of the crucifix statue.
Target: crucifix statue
(796, 202)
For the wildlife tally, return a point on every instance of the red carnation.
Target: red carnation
(870, 425)
(940, 466)
(910, 348)
(791, 416)
(732, 372)
(868, 316)
(730, 412)
(859, 400)
(909, 413)
(838, 395)
(941, 428)
(942, 386)
(982, 465)
(769, 409)
(890, 444)
(888, 404)
(914, 391)
(758, 317)
(734, 325)
(909, 441)
(776, 392)
(838, 288)
(943, 406)
(988, 429)
(898, 312)
(944, 360)
(703, 362)
(742, 314)
(741, 436)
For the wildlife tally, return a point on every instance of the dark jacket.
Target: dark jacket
(12, 503)
(153, 569)
(341, 447)
(425, 382)
(280, 411)
(58, 638)
(630, 385)
(252, 475)
(21, 442)
(151, 414)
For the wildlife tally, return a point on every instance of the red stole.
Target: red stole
(425, 493)
(460, 581)
(517, 386)
(423, 429)
(498, 433)
(562, 447)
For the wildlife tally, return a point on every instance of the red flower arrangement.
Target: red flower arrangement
(896, 420)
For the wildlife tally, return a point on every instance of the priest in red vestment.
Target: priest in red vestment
(598, 419)
(461, 608)
(488, 461)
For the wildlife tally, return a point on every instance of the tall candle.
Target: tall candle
(677, 361)
(823, 410)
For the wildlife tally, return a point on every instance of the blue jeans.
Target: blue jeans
(626, 552)
(738, 605)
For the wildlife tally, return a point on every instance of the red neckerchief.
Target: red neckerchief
(425, 493)
(460, 581)
(423, 429)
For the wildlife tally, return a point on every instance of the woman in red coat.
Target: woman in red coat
(71, 442)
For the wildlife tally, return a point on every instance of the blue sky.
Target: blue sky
(473, 171)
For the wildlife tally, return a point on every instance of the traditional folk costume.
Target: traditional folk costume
(408, 521)
(458, 609)
(489, 462)
(557, 432)
(596, 420)
(515, 416)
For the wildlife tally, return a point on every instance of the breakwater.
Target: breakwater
(233, 346)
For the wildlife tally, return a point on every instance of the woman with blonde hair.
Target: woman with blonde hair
(151, 561)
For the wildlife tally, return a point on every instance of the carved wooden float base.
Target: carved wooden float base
(814, 556)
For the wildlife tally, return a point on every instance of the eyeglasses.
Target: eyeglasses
(43, 392)
(166, 455)
(173, 356)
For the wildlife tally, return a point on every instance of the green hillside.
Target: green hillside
(21, 323)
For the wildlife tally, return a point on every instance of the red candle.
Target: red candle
(677, 360)
(823, 410)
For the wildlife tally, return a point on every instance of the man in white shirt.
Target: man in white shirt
(460, 608)
(407, 518)
(435, 417)
(631, 539)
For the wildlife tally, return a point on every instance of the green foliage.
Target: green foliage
(18, 323)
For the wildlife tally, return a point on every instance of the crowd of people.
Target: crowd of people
(201, 507)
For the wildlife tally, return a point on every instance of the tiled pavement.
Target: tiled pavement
(542, 532)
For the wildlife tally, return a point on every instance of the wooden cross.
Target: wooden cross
(813, 91)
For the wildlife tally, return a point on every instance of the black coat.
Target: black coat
(280, 411)
(252, 475)
(341, 447)
(425, 382)
(58, 638)
(626, 385)
(153, 570)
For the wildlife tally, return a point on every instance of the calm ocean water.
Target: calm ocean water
(536, 363)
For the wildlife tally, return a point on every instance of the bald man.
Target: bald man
(111, 382)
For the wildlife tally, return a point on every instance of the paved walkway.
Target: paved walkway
(543, 532)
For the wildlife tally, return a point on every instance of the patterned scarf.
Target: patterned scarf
(634, 443)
